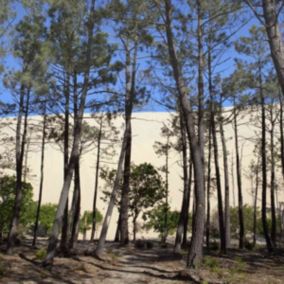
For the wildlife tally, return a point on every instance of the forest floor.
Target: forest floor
(142, 266)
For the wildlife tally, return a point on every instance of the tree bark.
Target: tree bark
(20, 149)
(239, 182)
(64, 231)
(75, 152)
(101, 243)
(272, 180)
(226, 183)
(274, 38)
(94, 223)
(216, 158)
(281, 133)
(208, 189)
(183, 217)
(264, 164)
(76, 205)
(196, 247)
(130, 80)
(166, 213)
(41, 176)
(255, 203)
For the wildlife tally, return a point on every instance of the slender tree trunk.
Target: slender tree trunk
(75, 152)
(216, 158)
(94, 223)
(101, 243)
(134, 227)
(166, 213)
(124, 233)
(41, 177)
(274, 38)
(196, 247)
(208, 189)
(28, 143)
(130, 80)
(76, 201)
(117, 232)
(281, 133)
(218, 182)
(239, 182)
(264, 166)
(255, 203)
(185, 224)
(272, 181)
(76, 205)
(226, 183)
(20, 149)
(183, 217)
(64, 231)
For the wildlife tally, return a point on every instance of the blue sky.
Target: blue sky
(224, 70)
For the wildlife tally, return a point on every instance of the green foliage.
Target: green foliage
(87, 219)
(155, 219)
(146, 187)
(47, 215)
(7, 196)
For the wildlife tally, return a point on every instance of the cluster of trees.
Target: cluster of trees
(104, 57)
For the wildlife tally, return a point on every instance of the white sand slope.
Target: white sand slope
(146, 130)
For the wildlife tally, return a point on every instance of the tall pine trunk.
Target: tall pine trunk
(119, 172)
(64, 231)
(183, 217)
(75, 152)
(264, 166)
(20, 149)
(130, 80)
(272, 179)
(239, 181)
(255, 203)
(94, 217)
(195, 252)
(274, 38)
(216, 158)
(41, 176)
(226, 181)
(208, 189)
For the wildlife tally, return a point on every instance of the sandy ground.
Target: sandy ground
(149, 266)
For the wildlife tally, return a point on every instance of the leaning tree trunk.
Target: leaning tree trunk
(76, 205)
(196, 247)
(239, 183)
(130, 81)
(94, 217)
(101, 243)
(76, 201)
(20, 149)
(75, 152)
(41, 177)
